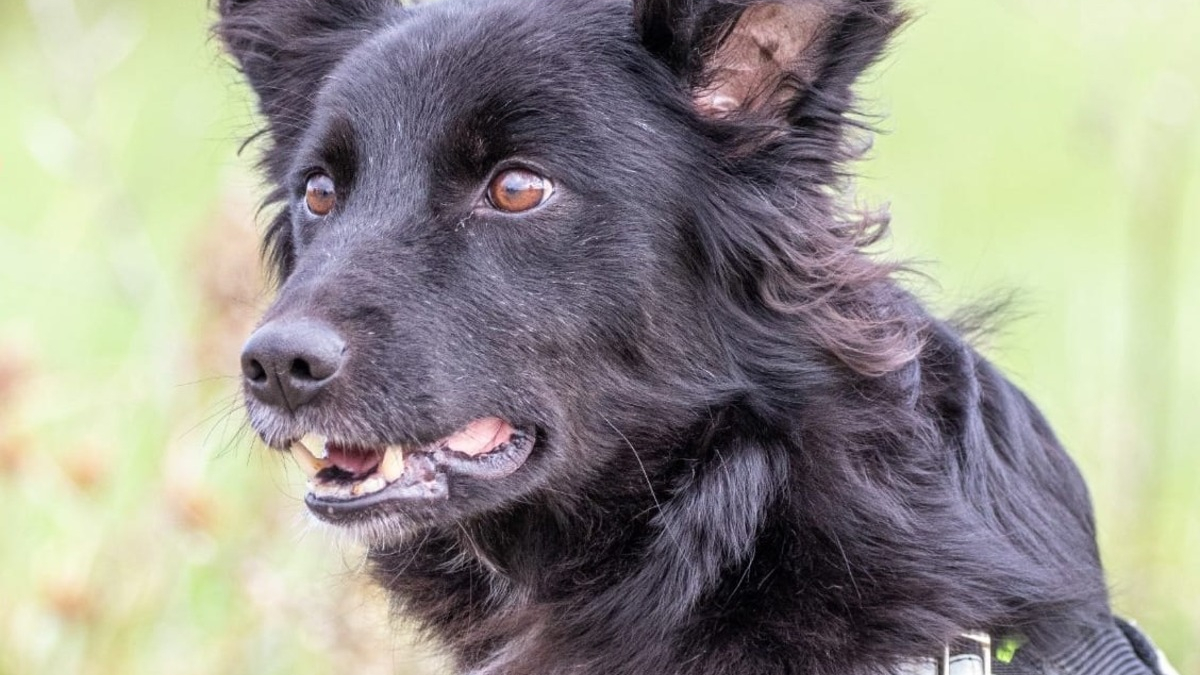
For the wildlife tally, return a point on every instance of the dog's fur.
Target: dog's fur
(756, 452)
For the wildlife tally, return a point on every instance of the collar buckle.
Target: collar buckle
(970, 654)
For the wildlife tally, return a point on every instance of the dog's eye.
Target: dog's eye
(518, 190)
(320, 194)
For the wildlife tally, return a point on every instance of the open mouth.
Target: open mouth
(345, 479)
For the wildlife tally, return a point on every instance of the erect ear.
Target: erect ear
(285, 48)
(767, 56)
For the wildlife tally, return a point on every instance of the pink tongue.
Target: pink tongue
(357, 461)
(481, 436)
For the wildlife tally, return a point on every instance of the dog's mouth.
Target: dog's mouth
(348, 481)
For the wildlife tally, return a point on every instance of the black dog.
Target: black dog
(574, 331)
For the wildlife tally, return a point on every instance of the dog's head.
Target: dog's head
(513, 235)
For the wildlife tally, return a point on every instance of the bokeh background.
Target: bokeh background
(1047, 149)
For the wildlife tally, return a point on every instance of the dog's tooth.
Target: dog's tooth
(392, 466)
(326, 489)
(369, 486)
(316, 445)
(308, 464)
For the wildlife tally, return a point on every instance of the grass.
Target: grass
(1049, 147)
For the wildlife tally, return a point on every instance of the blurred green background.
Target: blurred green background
(1046, 147)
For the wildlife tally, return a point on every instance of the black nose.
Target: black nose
(287, 362)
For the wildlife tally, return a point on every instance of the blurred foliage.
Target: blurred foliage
(1047, 146)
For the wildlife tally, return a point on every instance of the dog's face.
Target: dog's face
(494, 283)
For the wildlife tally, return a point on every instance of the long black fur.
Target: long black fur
(757, 452)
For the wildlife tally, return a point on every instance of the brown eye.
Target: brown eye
(518, 190)
(320, 194)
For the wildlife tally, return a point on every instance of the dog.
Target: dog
(576, 333)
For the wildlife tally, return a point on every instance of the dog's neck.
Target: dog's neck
(856, 538)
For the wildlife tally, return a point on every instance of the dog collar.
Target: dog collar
(1116, 649)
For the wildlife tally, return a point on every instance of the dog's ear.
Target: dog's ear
(286, 48)
(767, 57)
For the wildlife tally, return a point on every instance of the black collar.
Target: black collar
(1115, 649)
